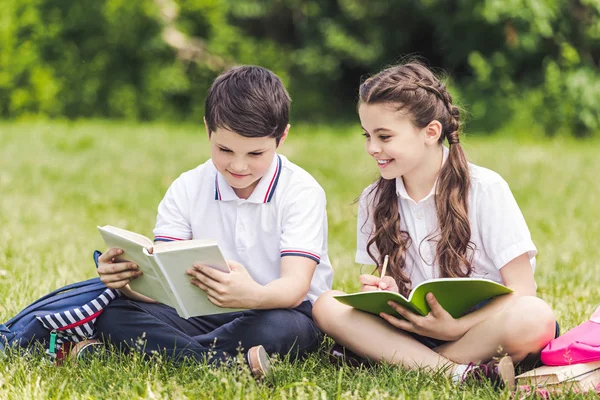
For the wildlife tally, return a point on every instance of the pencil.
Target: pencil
(385, 263)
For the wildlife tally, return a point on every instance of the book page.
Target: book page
(375, 302)
(174, 264)
(134, 246)
(151, 286)
(124, 234)
(553, 374)
(456, 295)
(160, 247)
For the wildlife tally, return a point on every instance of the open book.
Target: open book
(164, 277)
(580, 377)
(456, 295)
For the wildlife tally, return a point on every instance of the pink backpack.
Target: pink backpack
(579, 345)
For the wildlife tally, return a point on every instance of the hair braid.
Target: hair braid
(414, 89)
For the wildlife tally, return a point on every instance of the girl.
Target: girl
(436, 215)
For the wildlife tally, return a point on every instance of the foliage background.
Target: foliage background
(526, 65)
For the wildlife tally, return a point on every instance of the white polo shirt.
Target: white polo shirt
(284, 216)
(498, 229)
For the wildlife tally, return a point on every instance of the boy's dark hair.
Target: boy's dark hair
(250, 101)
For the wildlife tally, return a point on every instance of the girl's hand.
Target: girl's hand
(438, 324)
(235, 289)
(114, 273)
(371, 282)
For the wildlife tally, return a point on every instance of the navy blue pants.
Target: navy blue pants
(156, 328)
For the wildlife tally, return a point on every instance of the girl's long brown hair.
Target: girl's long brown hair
(413, 89)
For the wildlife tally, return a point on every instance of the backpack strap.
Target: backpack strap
(89, 285)
(77, 323)
(97, 254)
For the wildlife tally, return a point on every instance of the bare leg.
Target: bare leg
(524, 326)
(371, 336)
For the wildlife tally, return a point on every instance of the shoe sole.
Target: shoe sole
(506, 370)
(77, 349)
(259, 363)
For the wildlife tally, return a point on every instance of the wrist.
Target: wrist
(260, 297)
(461, 327)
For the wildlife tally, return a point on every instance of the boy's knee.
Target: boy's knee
(283, 330)
(112, 314)
(283, 322)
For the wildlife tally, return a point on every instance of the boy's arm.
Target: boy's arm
(237, 289)
(172, 220)
(303, 246)
(290, 289)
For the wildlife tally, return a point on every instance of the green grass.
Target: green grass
(59, 180)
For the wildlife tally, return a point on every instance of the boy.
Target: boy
(268, 216)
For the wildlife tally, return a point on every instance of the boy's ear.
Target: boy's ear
(206, 126)
(285, 135)
(433, 131)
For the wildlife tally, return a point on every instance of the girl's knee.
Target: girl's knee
(324, 308)
(530, 317)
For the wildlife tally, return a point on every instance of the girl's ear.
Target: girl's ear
(433, 131)
(285, 135)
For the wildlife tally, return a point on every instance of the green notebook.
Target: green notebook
(456, 295)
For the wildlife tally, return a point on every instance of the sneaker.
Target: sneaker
(258, 361)
(499, 372)
(339, 355)
(86, 348)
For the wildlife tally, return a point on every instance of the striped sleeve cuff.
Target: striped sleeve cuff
(301, 253)
(163, 238)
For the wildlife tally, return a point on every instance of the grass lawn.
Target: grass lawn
(59, 180)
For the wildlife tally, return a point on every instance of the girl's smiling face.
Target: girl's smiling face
(396, 144)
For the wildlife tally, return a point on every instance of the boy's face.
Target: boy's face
(242, 160)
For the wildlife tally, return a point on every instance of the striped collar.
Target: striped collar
(263, 192)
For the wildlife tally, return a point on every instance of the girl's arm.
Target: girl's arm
(439, 324)
(518, 276)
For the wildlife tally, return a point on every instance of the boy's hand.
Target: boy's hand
(371, 282)
(116, 274)
(438, 324)
(235, 289)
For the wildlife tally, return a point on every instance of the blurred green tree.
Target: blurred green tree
(531, 61)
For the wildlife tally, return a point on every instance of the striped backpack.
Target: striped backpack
(64, 315)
